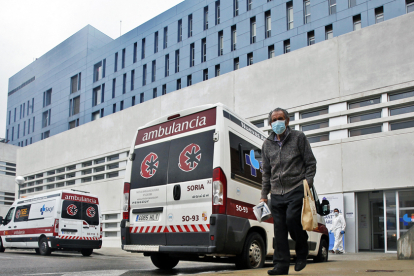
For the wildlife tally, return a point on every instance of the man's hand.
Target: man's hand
(263, 200)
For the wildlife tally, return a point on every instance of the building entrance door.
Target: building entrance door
(377, 224)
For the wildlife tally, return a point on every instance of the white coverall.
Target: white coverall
(338, 225)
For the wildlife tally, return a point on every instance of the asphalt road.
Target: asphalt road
(18, 262)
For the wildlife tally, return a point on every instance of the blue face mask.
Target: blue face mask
(279, 127)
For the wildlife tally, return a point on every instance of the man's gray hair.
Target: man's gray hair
(275, 110)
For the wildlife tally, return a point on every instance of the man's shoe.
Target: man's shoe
(331, 251)
(300, 264)
(339, 252)
(278, 271)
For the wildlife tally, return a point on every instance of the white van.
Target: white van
(60, 220)
(191, 181)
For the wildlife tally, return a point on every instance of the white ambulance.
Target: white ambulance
(191, 181)
(61, 220)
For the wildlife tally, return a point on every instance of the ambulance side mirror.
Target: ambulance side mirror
(1, 220)
(326, 207)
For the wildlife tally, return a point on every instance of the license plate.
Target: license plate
(68, 233)
(148, 217)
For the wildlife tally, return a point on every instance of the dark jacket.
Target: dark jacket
(285, 167)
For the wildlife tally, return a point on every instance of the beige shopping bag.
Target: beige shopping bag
(309, 215)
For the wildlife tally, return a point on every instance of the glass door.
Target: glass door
(406, 211)
(390, 222)
(377, 225)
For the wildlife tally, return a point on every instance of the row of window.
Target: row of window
(6, 198)
(7, 168)
(24, 109)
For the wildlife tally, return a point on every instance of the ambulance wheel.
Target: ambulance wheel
(87, 252)
(163, 261)
(323, 253)
(253, 254)
(44, 248)
(1, 245)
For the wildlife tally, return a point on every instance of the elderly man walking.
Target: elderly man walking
(287, 161)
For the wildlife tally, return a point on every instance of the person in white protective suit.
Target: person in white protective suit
(338, 229)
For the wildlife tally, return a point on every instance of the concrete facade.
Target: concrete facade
(372, 63)
(30, 120)
(7, 176)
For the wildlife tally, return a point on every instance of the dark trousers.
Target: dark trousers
(287, 212)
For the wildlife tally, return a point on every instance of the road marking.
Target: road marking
(85, 273)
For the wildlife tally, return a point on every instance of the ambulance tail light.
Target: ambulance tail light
(56, 227)
(101, 233)
(125, 206)
(219, 191)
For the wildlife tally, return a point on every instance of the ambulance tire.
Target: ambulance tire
(44, 248)
(87, 252)
(253, 254)
(323, 252)
(163, 261)
(1, 246)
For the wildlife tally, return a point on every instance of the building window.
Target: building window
(75, 86)
(121, 106)
(47, 100)
(45, 135)
(9, 116)
(143, 48)
(18, 131)
(365, 117)
(357, 22)
(43, 105)
(124, 78)
(34, 120)
(332, 6)
(132, 79)
(286, 46)
(24, 104)
(235, 8)
(252, 30)
(12, 133)
(154, 93)
(217, 12)
(167, 65)
(401, 110)
(233, 37)
(220, 43)
(73, 123)
(249, 59)
(249, 5)
(95, 115)
(32, 108)
(156, 42)
(154, 71)
(205, 74)
(178, 84)
(114, 108)
(141, 98)
(28, 103)
(271, 51)
(123, 58)
(134, 58)
(328, 32)
(363, 103)
(306, 12)
(311, 38)
(97, 71)
(133, 101)
(192, 55)
(165, 37)
(189, 80)
(177, 61)
(144, 74)
(24, 128)
(203, 50)
(379, 14)
(319, 138)
(74, 107)
(403, 95)
(46, 118)
(164, 89)
(315, 126)
(116, 62)
(28, 127)
(236, 64)
(15, 114)
(410, 5)
(268, 24)
(190, 25)
(180, 31)
(289, 12)
(113, 88)
(364, 131)
(206, 18)
(401, 125)
(351, 3)
(96, 96)
(313, 113)
(217, 70)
